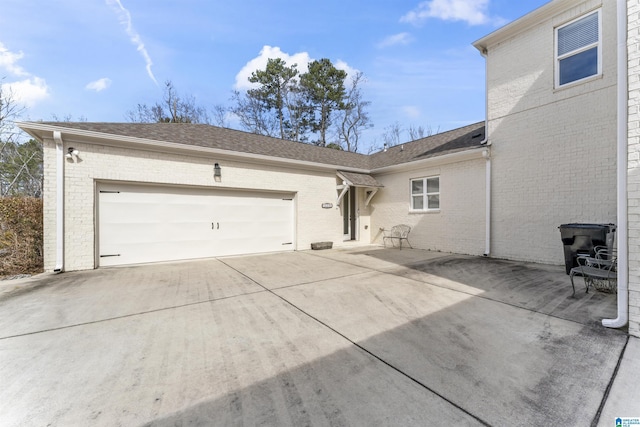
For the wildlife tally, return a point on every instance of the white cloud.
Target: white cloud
(411, 111)
(341, 65)
(302, 60)
(8, 61)
(396, 39)
(125, 19)
(99, 85)
(260, 63)
(29, 91)
(474, 12)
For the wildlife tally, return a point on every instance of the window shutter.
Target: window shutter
(578, 34)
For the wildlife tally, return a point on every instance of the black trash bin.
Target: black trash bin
(580, 239)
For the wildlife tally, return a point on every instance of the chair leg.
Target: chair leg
(572, 284)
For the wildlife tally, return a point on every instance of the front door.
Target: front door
(349, 214)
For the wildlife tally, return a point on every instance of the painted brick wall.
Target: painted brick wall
(553, 150)
(633, 49)
(104, 163)
(49, 204)
(458, 227)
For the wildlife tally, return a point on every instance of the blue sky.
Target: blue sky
(97, 59)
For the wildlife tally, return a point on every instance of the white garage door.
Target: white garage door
(138, 224)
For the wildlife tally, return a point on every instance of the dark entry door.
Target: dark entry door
(349, 215)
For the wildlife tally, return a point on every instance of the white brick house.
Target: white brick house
(633, 185)
(551, 155)
(558, 89)
(550, 143)
(138, 193)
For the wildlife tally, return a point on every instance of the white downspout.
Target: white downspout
(57, 137)
(487, 248)
(487, 155)
(622, 228)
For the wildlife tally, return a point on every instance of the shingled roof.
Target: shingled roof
(453, 141)
(202, 135)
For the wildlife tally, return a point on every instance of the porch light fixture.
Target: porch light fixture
(217, 172)
(72, 153)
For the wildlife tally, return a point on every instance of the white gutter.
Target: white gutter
(57, 137)
(460, 156)
(622, 228)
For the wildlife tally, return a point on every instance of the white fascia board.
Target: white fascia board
(461, 156)
(523, 23)
(91, 137)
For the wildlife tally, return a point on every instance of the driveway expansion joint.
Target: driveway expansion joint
(124, 316)
(362, 348)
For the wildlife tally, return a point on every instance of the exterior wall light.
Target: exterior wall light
(72, 153)
(217, 172)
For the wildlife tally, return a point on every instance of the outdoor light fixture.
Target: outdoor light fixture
(72, 153)
(217, 172)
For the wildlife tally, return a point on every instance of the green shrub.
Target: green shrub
(20, 236)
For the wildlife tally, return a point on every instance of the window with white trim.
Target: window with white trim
(425, 194)
(578, 50)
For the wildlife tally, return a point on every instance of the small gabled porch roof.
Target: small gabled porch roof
(354, 179)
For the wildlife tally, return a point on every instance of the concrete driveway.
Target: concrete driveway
(361, 336)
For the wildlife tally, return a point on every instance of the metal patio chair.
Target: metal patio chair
(599, 271)
(397, 233)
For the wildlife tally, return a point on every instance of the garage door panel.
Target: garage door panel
(145, 224)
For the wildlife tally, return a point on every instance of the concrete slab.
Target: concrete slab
(291, 268)
(624, 398)
(362, 336)
(496, 361)
(378, 258)
(57, 301)
(247, 360)
(537, 287)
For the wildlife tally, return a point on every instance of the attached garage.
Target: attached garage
(131, 193)
(145, 223)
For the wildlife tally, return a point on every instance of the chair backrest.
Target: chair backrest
(401, 231)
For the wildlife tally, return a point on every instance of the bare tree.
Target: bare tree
(68, 118)
(220, 116)
(391, 134)
(420, 132)
(174, 108)
(353, 119)
(415, 132)
(10, 110)
(20, 162)
(254, 115)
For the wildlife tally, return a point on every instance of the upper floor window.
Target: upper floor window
(578, 49)
(425, 194)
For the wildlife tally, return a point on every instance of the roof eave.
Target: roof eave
(459, 156)
(154, 145)
(527, 21)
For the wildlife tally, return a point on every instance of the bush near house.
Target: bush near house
(20, 236)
